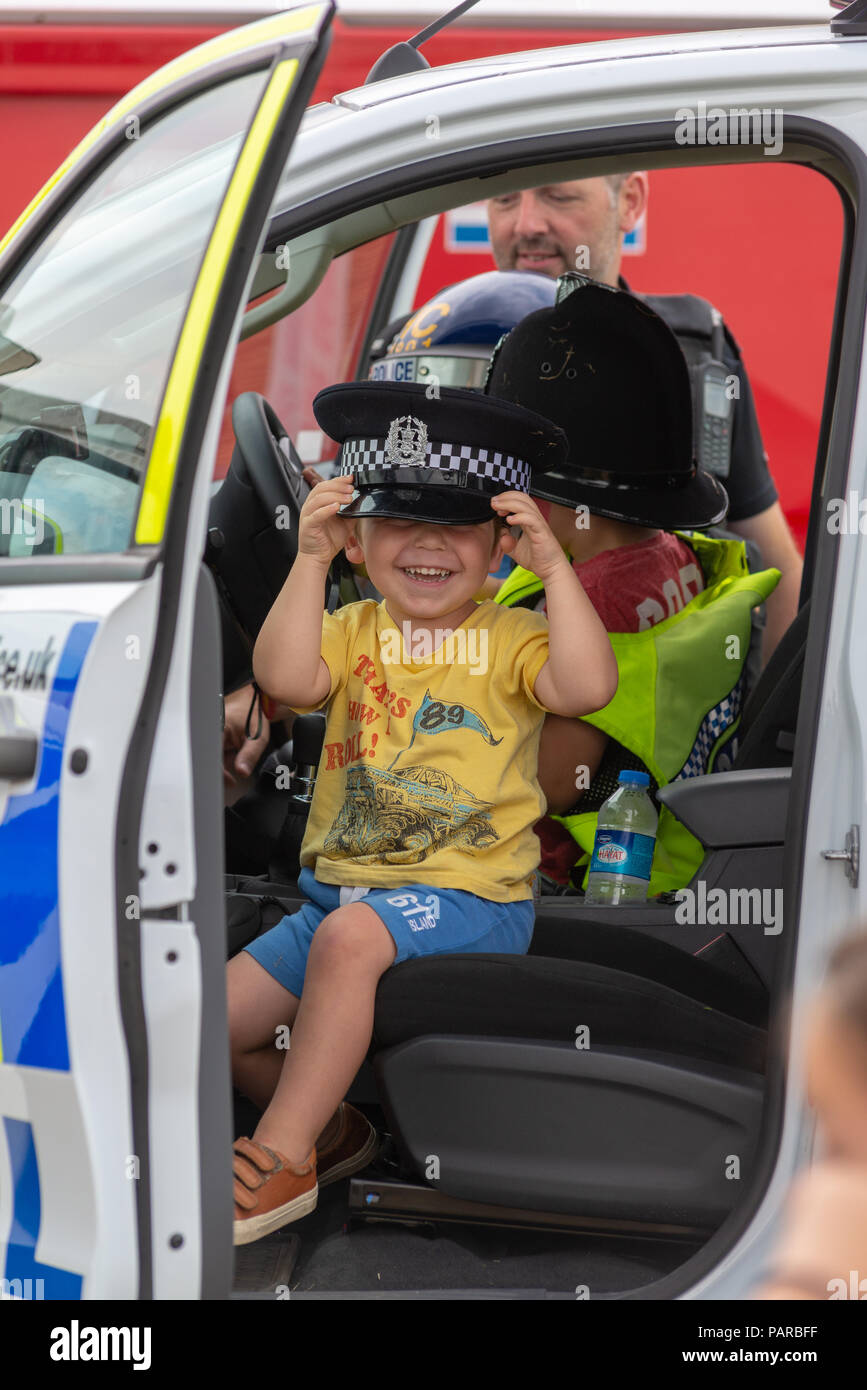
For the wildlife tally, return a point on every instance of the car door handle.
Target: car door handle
(18, 756)
(18, 747)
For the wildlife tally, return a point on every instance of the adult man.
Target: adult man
(581, 225)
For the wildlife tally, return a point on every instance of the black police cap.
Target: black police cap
(610, 372)
(438, 459)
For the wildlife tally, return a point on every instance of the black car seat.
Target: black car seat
(771, 712)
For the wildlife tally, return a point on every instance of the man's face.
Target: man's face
(544, 229)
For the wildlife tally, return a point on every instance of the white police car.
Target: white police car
(652, 1164)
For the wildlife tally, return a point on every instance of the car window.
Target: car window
(88, 328)
(313, 347)
(762, 242)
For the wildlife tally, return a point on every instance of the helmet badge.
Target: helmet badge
(407, 440)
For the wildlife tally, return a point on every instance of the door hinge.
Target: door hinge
(851, 854)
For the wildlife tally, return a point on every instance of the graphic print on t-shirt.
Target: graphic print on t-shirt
(402, 817)
(438, 717)
(426, 772)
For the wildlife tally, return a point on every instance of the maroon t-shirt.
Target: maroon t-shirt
(636, 586)
(632, 588)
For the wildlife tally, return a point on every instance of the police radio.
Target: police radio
(713, 408)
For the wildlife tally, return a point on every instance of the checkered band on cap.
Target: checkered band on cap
(360, 456)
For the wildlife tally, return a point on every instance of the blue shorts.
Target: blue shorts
(422, 922)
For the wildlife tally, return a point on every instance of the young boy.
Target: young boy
(605, 367)
(420, 833)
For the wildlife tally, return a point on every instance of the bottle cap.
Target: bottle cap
(634, 779)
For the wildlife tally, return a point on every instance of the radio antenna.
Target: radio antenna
(404, 58)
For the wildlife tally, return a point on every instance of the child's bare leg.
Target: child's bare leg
(258, 1006)
(351, 950)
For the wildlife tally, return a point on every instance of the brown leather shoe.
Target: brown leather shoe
(270, 1192)
(346, 1145)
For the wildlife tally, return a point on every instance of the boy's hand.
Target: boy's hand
(537, 549)
(321, 533)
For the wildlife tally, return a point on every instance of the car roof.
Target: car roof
(499, 13)
(363, 165)
(542, 60)
(373, 131)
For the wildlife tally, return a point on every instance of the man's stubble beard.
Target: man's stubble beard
(603, 257)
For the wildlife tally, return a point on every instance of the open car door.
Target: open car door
(121, 293)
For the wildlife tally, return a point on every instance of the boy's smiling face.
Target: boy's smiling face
(426, 571)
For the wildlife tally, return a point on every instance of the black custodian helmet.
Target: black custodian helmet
(605, 367)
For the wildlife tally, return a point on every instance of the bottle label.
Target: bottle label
(623, 852)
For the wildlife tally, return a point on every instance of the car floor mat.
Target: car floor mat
(267, 1265)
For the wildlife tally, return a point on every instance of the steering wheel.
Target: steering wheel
(273, 465)
(255, 517)
(253, 542)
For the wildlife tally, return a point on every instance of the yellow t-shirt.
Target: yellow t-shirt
(429, 768)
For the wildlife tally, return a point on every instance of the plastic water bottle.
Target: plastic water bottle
(624, 845)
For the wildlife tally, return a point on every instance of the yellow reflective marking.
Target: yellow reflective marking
(58, 535)
(55, 526)
(176, 403)
(223, 46)
(420, 330)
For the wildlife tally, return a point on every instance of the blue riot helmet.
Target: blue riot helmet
(449, 340)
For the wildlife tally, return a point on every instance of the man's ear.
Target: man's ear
(632, 199)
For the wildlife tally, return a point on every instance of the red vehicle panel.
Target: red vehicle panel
(761, 241)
